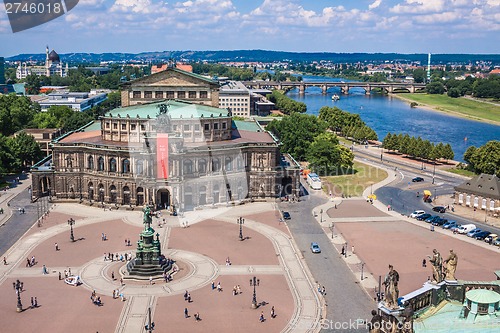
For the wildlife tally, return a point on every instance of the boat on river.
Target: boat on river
(335, 97)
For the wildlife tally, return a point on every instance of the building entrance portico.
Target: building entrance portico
(163, 198)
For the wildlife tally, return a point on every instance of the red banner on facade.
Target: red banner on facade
(162, 156)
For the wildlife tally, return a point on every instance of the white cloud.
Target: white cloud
(375, 4)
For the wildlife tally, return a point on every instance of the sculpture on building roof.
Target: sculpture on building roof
(451, 266)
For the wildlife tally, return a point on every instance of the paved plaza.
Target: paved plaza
(200, 251)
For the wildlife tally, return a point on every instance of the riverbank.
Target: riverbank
(461, 107)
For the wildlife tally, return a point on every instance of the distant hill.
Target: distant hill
(264, 56)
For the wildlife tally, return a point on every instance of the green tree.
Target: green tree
(33, 84)
(25, 149)
(7, 160)
(448, 153)
(436, 88)
(419, 75)
(485, 159)
(453, 92)
(296, 133)
(77, 120)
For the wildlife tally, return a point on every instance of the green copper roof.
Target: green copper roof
(176, 109)
(483, 296)
(246, 125)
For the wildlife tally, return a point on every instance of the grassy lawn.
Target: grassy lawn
(353, 184)
(462, 172)
(469, 108)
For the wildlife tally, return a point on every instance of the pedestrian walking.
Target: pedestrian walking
(197, 316)
(150, 280)
(56, 246)
(261, 318)
(121, 282)
(213, 285)
(186, 313)
(352, 249)
(343, 250)
(219, 288)
(273, 314)
(113, 275)
(424, 263)
(36, 303)
(32, 302)
(60, 276)
(5, 261)
(44, 270)
(189, 298)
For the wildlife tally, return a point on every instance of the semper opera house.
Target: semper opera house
(170, 146)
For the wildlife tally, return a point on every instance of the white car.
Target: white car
(417, 213)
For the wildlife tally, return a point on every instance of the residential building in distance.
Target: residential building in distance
(43, 136)
(78, 101)
(171, 83)
(235, 97)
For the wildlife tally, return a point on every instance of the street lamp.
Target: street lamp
(18, 288)
(241, 221)
(71, 222)
(435, 193)
(434, 172)
(150, 326)
(254, 282)
(331, 228)
(345, 252)
(321, 216)
(362, 266)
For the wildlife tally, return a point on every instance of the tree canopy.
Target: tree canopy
(485, 159)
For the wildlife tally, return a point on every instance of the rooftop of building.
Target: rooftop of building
(483, 185)
(232, 87)
(177, 70)
(177, 109)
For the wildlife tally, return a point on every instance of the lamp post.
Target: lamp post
(150, 326)
(254, 282)
(435, 193)
(241, 221)
(434, 171)
(17, 287)
(345, 252)
(331, 228)
(71, 222)
(362, 266)
(321, 216)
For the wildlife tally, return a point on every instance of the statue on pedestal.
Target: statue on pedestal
(147, 219)
(451, 266)
(391, 288)
(437, 266)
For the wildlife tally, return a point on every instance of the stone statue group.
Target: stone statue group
(443, 269)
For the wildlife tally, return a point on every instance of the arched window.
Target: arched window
(100, 163)
(215, 165)
(112, 193)
(187, 167)
(139, 167)
(126, 166)
(112, 165)
(140, 196)
(228, 163)
(203, 196)
(202, 166)
(239, 163)
(91, 191)
(126, 195)
(90, 162)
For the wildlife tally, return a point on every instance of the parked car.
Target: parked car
(482, 235)
(417, 213)
(439, 209)
(473, 232)
(491, 238)
(497, 242)
(432, 218)
(315, 248)
(417, 179)
(423, 216)
(466, 228)
(439, 221)
(450, 224)
(455, 228)
(286, 215)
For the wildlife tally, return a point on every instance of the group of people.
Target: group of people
(95, 299)
(117, 293)
(30, 262)
(117, 257)
(236, 290)
(263, 319)
(218, 287)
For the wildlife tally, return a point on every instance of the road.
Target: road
(19, 223)
(346, 301)
(401, 194)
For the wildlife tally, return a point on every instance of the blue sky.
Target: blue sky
(404, 26)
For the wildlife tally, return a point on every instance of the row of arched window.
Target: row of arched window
(188, 165)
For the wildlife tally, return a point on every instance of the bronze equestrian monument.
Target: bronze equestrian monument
(149, 262)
